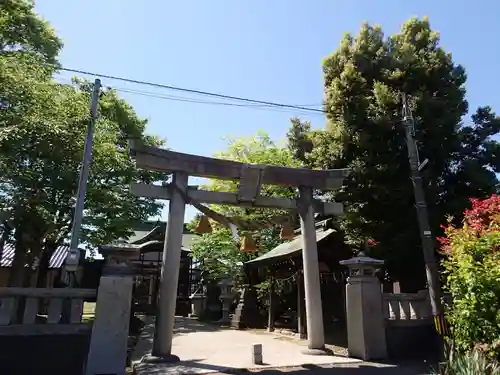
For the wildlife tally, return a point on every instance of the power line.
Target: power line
(257, 104)
(197, 101)
(199, 92)
(188, 99)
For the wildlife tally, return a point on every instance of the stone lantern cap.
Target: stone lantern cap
(361, 260)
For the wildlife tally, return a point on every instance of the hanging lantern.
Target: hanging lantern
(287, 232)
(203, 226)
(248, 244)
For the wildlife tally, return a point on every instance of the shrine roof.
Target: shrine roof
(148, 235)
(291, 248)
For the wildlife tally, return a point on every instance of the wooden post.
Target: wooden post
(300, 306)
(270, 316)
(165, 320)
(312, 286)
(151, 290)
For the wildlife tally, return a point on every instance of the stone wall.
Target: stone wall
(409, 326)
(42, 332)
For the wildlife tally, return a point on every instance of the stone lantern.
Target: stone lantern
(226, 296)
(365, 316)
(362, 265)
(197, 303)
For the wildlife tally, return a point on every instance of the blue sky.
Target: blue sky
(261, 49)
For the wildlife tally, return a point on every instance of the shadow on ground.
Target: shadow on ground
(193, 367)
(354, 369)
(184, 367)
(183, 326)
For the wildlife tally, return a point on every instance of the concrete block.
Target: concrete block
(108, 344)
(257, 354)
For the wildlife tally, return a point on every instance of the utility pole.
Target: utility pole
(73, 257)
(431, 269)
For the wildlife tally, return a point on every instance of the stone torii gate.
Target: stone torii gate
(250, 177)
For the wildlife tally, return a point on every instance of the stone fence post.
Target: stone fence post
(365, 317)
(108, 343)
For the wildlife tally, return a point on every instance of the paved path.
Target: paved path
(204, 348)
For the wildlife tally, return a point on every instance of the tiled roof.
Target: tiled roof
(56, 261)
(141, 239)
(287, 249)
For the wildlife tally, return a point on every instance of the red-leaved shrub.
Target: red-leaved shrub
(472, 268)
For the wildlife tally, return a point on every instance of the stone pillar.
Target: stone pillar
(226, 296)
(365, 316)
(246, 314)
(108, 343)
(169, 279)
(312, 286)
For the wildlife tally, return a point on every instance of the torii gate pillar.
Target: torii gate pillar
(312, 286)
(169, 278)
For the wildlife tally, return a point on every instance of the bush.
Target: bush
(472, 268)
(468, 363)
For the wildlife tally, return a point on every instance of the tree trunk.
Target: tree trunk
(2, 244)
(27, 276)
(5, 231)
(43, 267)
(17, 270)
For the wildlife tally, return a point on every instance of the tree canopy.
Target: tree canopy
(22, 30)
(363, 82)
(43, 128)
(220, 245)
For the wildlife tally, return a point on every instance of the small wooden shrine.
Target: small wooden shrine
(143, 252)
(283, 267)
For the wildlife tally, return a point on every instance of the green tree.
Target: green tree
(43, 126)
(40, 157)
(363, 81)
(220, 245)
(23, 31)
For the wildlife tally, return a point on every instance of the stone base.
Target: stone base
(172, 358)
(315, 352)
(225, 320)
(246, 314)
